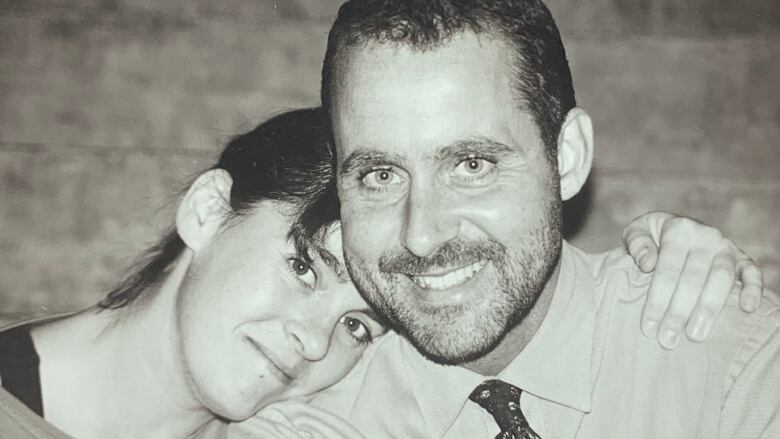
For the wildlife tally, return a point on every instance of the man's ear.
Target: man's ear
(575, 152)
(204, 208)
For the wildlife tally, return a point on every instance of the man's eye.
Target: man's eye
(474, 167)
(380, 179)
(303, 271)
(357, 329)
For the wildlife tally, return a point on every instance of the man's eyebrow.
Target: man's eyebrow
(365, 159)
(477, 146)
(333, 263)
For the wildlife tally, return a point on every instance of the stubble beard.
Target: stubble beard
(462, 333)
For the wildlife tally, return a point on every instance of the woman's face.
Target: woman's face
(257, 324)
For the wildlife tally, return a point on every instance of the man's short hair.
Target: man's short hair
(543, 80)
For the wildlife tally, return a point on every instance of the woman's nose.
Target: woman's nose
(311, 340)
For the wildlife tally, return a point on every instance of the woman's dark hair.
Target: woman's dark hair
(285, 158)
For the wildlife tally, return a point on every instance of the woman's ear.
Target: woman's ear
(204, 208)
(575, 152)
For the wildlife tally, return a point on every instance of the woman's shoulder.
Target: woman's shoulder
(18, 421)
(29, 322)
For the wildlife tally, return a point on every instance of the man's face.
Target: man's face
(450, 210)
(257, 325)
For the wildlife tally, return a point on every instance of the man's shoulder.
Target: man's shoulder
(604, 263)
(735, 332)
(384, 357)
(716, 385)
(614, 269)
(737, 337)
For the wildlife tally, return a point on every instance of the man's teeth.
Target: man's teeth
(448, 280)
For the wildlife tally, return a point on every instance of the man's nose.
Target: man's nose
(310, 339)
(428, 222)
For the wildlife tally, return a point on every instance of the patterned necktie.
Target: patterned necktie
(502, 400)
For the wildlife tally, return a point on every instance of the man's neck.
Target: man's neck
(518, 338)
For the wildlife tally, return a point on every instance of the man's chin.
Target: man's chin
(469, 345)
(452, 357)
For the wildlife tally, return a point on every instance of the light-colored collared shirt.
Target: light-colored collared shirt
(587, 373)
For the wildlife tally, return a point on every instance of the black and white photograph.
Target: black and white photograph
(389, 219)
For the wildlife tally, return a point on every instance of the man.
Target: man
(458, 137)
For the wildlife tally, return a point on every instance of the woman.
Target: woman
(244, 303)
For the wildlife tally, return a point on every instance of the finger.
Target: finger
(671, 261)
(714, 295)
(686, 294)
(640, 245)
(752, 284)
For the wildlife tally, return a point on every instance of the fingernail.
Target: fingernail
(669, 338)
(644, 254)
(749, 303)
(699, 326)
(650, 327)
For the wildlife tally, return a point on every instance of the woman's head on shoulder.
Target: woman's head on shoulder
(265, 309)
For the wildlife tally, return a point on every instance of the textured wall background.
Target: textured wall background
(108, 107)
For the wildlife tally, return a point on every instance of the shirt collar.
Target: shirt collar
(440, 391)
(555, 366)
(556, 363)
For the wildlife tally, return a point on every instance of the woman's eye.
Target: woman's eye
(474, 167)
(380, 179)
(303, 271)
(356, 329)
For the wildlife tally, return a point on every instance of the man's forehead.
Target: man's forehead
(403, 86)
(429, 117)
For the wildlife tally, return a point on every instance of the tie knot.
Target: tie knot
(492, 395)
(502, 401)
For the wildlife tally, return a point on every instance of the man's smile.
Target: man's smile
(448, 279)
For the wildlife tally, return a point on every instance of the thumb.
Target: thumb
(643, 250)
(638, 240)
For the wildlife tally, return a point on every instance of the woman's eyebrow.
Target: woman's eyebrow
(365, 158)
(371, 315)
(333, 263)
